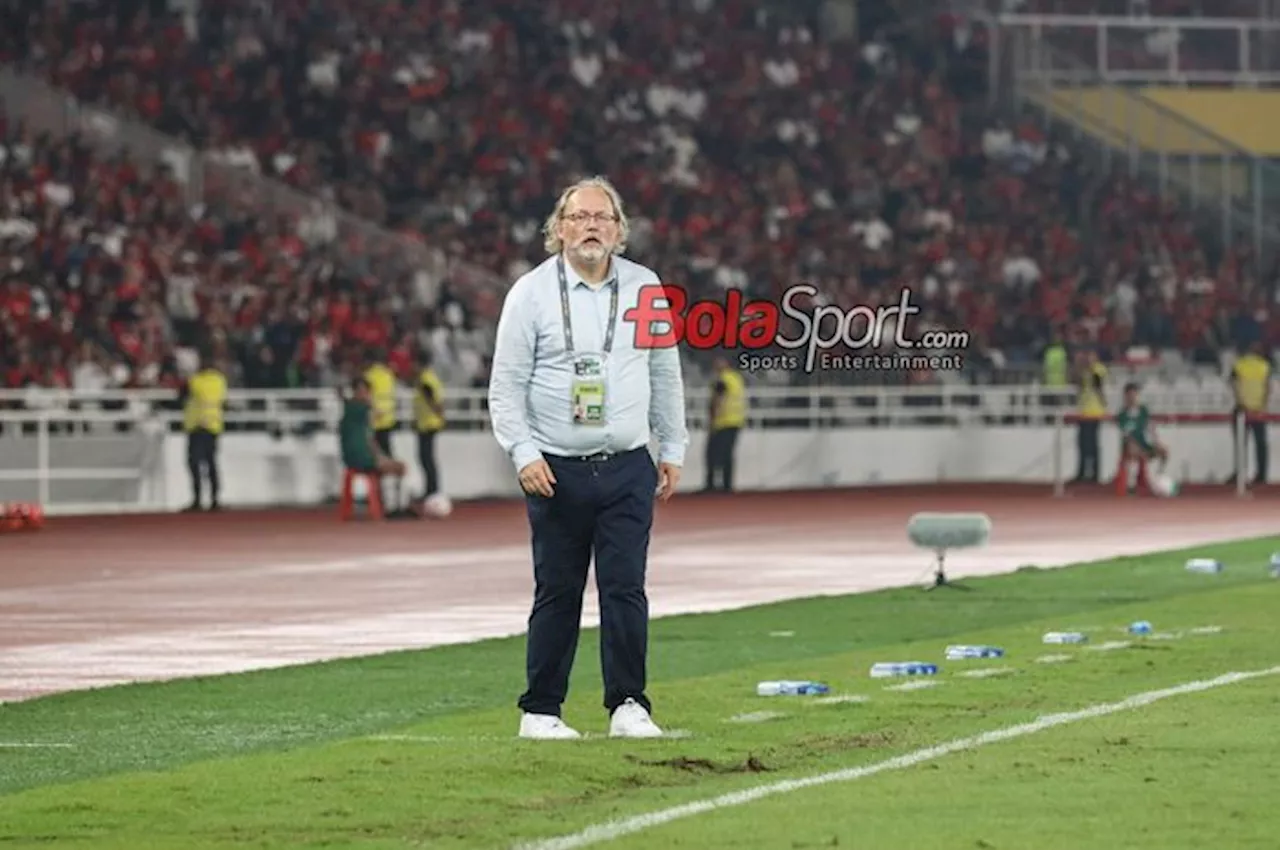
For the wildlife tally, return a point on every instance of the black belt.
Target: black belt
(598, 457)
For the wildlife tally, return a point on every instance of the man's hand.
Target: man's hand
(536, 479)
(668, 478)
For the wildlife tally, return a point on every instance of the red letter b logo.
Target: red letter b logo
(658, 305)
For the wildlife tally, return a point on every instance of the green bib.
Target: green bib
(1133, 424)
(353, 435)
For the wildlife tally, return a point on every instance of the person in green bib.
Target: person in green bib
(358, 447)
(1134, 422)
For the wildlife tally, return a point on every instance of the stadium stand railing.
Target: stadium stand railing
(102, 452)
(768, 406)
(1159, 50)
(1228, 184)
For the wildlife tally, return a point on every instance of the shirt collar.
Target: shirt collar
(575, 280)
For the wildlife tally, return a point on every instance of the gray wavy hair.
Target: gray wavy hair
(551, 239)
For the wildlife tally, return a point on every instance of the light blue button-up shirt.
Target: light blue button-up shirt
(532, 374)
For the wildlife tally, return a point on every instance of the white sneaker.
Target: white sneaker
(630, 720)
(546, 727)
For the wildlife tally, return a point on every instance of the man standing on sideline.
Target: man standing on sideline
(203, 396)
(428, 410)
(382, 388)
(727, 416)
(1251, 381)
(572, 402)
(1091, 409)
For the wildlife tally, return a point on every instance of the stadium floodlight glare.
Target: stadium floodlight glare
(941, 532)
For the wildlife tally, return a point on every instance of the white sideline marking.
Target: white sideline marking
(1206, 630)
(435, 739)
(755, 717)
(484, 739)
(782, 634)
(839, 698)
(914, 686)
(33, 745)
(986, 672)
(627, 826)
(1053, 659)
(1109, 645)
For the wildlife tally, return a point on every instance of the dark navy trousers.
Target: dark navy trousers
(601, 507)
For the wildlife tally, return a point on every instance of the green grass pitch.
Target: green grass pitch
(418, 749)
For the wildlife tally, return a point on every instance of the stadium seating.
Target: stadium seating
(753, 155)
(109, 279)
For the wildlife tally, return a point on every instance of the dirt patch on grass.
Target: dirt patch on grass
(700, 765)
(842, 743)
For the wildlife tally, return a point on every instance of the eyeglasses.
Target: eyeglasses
(583, 217)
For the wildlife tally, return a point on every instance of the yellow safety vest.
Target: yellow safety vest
(732, 411)
(427, 419)
(207, 391)
(382, 389)
(1055, 366)
(1092, 404)
(1252, 373)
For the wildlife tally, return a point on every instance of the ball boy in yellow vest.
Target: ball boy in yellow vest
(428, 414)
(728, 415)
(202, 397)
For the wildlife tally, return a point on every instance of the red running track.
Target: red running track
(90, 602)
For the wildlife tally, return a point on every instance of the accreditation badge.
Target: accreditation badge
(588, 389)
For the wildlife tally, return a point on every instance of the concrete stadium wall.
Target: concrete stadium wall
(259, 470)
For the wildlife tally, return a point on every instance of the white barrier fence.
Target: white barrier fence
(1161, 50)
(124, 452)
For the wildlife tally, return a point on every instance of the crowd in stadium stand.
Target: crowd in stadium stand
(753, 155)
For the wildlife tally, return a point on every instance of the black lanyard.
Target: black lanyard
(564, 309)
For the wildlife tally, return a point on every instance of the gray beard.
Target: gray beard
(590, 253)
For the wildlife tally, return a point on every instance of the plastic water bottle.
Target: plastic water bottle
(789, 687)
(884, 669)
(1141, 627)
(1275, 565)
(1065, 637)
(957, 652)
(1205, 565)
